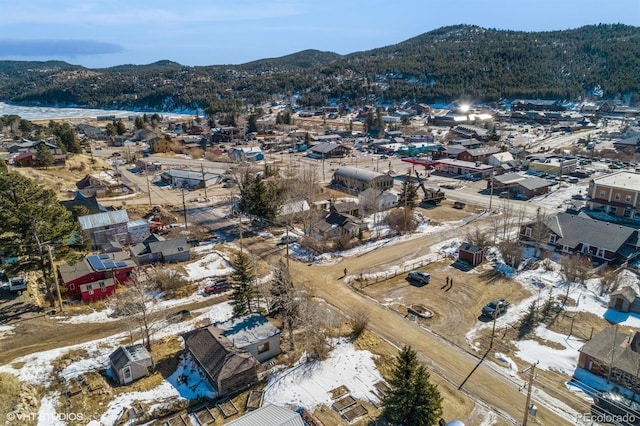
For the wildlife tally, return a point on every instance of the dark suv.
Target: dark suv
(419, 276)
(495, 307)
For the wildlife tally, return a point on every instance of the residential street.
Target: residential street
(448, 361)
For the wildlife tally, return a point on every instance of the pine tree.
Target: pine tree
(284, 299)
(44, 157)
(252, 124)
(242, 280)
(413, 399)
(409, 193)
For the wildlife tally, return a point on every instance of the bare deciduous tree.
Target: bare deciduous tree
(609, 281)
(478, 237)
(136, 301)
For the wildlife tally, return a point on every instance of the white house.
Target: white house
(374, 200)
(499, 158)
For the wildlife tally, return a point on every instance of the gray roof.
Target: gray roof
(189, 174)
(100, 220)
(613, 347)
(626, 292)
(485, 150)
(271, 415)
(576, 229)
(124, 355)
(248, 330)
(169, 247)
(325, 147)
(357, 174)
(534, 182)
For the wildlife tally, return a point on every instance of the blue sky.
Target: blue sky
(211, 32)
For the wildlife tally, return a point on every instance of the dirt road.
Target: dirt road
(450, 362)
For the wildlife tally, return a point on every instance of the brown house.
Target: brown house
(478, 154)
(228, 368)
(470, 253)
(613, 355)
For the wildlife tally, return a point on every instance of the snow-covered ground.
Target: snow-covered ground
(212, 264)
(307, 384)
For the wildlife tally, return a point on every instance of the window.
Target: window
(126, 373)
(617, 196)
(72, 286)
(527, 232)
(263, 347)
(566, 249)
(602, 193)
(628, 198)
(600, 253)
(180, 248)
(90, 292)
(553, 238)
(585, 248)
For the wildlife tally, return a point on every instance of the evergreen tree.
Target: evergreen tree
(252, 124)
(413, 399)
(3, 167)
(242, 282)
(284, 300)
(139, 122)
(44, 157)
(120, 127)
(408, 195)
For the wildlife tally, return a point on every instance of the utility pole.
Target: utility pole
(530, 385)
(55, 277)
(204, 181)
(184, 207)
(146, 173)
(287, 243)
(491, 193)
(493, 331)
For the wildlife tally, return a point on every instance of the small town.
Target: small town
(442, 231)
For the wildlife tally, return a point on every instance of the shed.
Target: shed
(623, 299)
(471, 253)
(130, 363)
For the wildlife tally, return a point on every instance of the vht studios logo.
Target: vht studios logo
(22, 416)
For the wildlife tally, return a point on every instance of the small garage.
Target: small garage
(471, 254)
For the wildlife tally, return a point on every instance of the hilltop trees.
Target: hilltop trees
(413, 399)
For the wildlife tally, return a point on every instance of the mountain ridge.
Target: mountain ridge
(443, 64)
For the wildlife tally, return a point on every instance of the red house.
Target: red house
(96, 276)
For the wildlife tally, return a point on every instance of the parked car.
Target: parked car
(219, 286)
(612, 403)
(179, 316)
(496, 307)
(288, 239)
(419, 276)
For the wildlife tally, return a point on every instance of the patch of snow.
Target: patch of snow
(95, 316)
(6, 331)
(513, 368)
(563, 360)
(47, 415)
(308, 384)
(212, 265)
(163, 391)
(189, 381)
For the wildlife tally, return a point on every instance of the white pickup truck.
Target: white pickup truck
(16, 284)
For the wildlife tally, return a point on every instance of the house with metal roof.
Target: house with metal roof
(614, 355)
(516, 184)
(580, 234)
(254, 334)
(105, 227)
(330, 150)
(130, 363)
(95, 277)
(271, 415)
(189, 179)
(355, 180)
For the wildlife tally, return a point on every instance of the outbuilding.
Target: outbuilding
(130, 363)
(471, 253)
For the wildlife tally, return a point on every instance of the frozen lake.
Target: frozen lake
(48, 113)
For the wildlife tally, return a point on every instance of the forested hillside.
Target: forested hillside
(441, 65)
